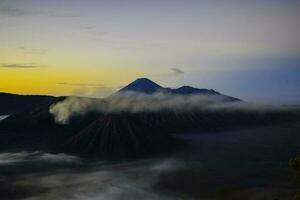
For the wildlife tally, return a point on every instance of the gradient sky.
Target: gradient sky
(247, 49)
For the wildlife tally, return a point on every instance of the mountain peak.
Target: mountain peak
(143, 79)
(143, 85)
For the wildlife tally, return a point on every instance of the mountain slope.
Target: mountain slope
(142, 85)
(125, 134)
(147, 86)
(186, 90)
(191, 90)
(13, 103)
(122, 136)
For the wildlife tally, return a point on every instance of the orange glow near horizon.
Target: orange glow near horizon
(62, 81)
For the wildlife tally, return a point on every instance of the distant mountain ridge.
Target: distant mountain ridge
(13, 103)
(191, 90)
(147, 86)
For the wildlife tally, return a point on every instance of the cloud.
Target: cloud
(176, 70)
(132, 102)
(137, 102)
(2, 117)
(80, 84)
(94, 31)
(11, 10)
(95, 90)
(22, 66)
(32, 50)
(35, 156)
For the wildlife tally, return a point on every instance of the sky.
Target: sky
(246, 49)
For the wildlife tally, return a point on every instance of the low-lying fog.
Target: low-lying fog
(3, 117)
(40, 175)
(250, 164)
(138, 102)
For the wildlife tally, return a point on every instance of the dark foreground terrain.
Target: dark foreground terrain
(241, 164)
(126, 134)
(186, 143)
(138, 121)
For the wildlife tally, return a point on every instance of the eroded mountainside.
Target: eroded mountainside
(128, 133)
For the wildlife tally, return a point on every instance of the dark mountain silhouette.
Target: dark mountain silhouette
(14, 103)
(122, 134)
(186, 90)
(147, 86)
(192, 90)
(143, 85)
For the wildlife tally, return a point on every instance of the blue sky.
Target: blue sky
(248, 49)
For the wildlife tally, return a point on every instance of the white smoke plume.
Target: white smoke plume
(138, 102)
(2, 117)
